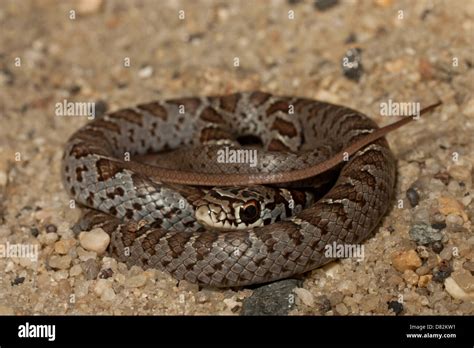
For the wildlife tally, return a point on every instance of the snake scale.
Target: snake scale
(149, 210)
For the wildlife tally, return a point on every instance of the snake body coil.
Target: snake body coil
(151, 221)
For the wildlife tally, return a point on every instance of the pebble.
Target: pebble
(447, 253)
(106, 273)
(464, 279)
(438, 225)
(396, 307)
(145, 72)
(404, 260)
(422, 251)
(81, 287)
(456, 291)
(48, 238)
(101, 286)
(410, 277)
(91, 269)
(460, 173)
(424, 234)
(232, 304)
(87, 7)
(424, 280)
(135, 281)
(423, 270)
(18, 280)
(63, 246)
(75, 271)
(272, 299)
(352, 64)
(60, 262)
(469, 265)
(347, 287)
(305, 296)
(437, 247)
(413, 197)
(96, 240)
(50, 228)
(442, 272)
(370, 303)
(323, 5)
(342, 309)
(450, 206)
(85, 255)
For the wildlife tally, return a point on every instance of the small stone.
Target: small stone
(50, 228)
(106, 273)
(469, 265)
(464, 279)
(90, 268)
(437, 247)
(422, 251)
(442, 272)
(135, 281)
(87, 7)
(439, 225)
(202, 296)
(449, 205)
(85, 255)
(272, 299)
(75, 270)
(96, 240)
(48, 238)
(145, 72)
(34, 231)
(370, 303)
(395, 306)
(63, 246)
(108, 295)
(18, 280)
(101, 285)
(305, 296)
(447, 253)
(410, 277)
(460, 173)
(424, 234)
(81, 287)
(406, 260)
(424, 280)
(352, 64)
(323, 5)
(342, 309)
(456, 291)
(413, 197)
(323, 304)
(394, 280)
(423, 270)
(60, 262)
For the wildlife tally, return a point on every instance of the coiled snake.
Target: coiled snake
(170, 212)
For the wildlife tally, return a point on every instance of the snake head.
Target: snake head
(231, 208)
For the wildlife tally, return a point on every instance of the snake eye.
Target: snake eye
(250, 211)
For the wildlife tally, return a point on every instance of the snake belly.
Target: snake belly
(151, 222)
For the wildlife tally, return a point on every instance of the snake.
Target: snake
(150, 176)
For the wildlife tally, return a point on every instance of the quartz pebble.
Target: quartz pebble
(449, 206)
(305, 296)
(453, 288)
(95, 240)
(135, 281)
(62, 246)
(60, 262)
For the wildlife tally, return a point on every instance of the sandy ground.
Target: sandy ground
(420, 261)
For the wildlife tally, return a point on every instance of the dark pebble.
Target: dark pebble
(443, 271)
(34, 231)
(100, 108)
(395, 306)
(90, 269)
(413, 197)
(51, 228)
(352, 64)
(438, 225)
(106, 273)
(443, 177)
(437, 247)
(18, 280)
(271, 299)
(294, 2)
(74, 89)
(323, 5)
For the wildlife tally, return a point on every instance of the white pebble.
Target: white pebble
(305, 296)
(96, 240)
